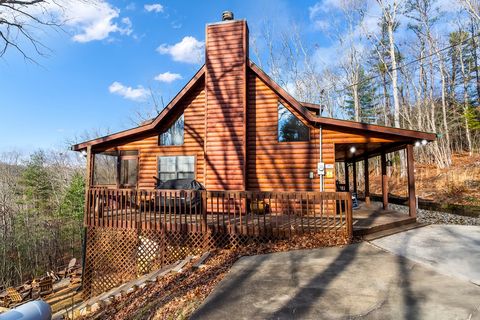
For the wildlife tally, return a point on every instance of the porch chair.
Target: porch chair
(64, 272)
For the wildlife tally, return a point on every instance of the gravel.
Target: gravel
(437, 217)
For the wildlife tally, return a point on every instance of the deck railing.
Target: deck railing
(248, 213)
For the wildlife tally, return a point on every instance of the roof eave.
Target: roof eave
(150, 126)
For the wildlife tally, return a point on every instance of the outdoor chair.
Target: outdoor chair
(45, 286)
(64, 272)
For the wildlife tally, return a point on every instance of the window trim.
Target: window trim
(286, 106)
(178, 155)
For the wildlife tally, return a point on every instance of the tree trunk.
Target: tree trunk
(465, 100)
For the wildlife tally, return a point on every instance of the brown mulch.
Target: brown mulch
(178, 295)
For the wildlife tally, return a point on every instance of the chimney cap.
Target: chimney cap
(227, 15)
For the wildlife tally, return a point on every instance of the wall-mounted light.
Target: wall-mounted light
(84, 153)
(417, 144)
(353, 149)
(424, 142)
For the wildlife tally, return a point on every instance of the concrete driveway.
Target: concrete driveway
(449, 249)
(356, 281)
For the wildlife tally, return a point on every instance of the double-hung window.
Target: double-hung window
(176, 167)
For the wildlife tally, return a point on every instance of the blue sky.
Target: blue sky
(100, 70)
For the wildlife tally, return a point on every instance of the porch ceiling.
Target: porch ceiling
(362, 150)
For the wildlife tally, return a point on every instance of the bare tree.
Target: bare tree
(21, 21)
(390, 11)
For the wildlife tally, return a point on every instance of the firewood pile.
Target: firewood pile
(47, 287)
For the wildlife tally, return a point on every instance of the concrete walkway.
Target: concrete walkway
(450, 249)
(356, 281)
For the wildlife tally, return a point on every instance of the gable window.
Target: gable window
(174, 135)
(290, 128)
(176, 167)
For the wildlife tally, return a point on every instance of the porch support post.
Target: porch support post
(384, 180)
(412, 203)
(367, 181)
(354, 172)
(347, 178)
(86, 212)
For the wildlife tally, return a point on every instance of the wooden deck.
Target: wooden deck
(372, 218)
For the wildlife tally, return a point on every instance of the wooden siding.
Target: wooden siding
(193, 106)
(226, 63)
(273, 165)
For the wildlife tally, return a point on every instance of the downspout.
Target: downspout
(320, 161)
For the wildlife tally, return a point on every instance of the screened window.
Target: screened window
(176, 167)
(174, 135)
(105, 168)
(115, 167)
(290, 128)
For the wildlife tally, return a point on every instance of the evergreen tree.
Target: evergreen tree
(367, 98)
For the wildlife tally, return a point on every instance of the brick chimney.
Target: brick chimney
(226, 58)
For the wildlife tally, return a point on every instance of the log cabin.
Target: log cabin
(236, 131)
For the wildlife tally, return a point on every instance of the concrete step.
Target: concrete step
(389, 232)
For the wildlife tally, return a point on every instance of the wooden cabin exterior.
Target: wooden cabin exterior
(234, 136)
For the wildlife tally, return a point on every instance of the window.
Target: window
(105, 168)
(174, 135)
(111, 168)
(176, 167)
(290, 128)
(128, 171)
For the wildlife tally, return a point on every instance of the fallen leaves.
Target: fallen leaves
(178, 295)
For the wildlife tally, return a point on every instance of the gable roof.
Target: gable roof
(338, 123)
(301, 107)
(148, 125)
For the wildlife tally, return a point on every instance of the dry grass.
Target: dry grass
(459, 184)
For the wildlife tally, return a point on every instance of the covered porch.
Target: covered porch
(353, 163)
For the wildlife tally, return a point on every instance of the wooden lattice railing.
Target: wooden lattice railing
(131, 232)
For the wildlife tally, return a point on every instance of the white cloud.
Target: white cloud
(131, 6)
(154, 7)
(168, 77)
(324, 6)
(134, 94)
(189, 50)
(322, 25)
(87, 20)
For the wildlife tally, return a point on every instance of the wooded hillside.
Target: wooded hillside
(41, 211)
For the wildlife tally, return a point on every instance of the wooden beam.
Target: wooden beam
(384, 181)
(367, 181)
(354, 172)
(412, 202)
(386, 148)
(347, 178)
